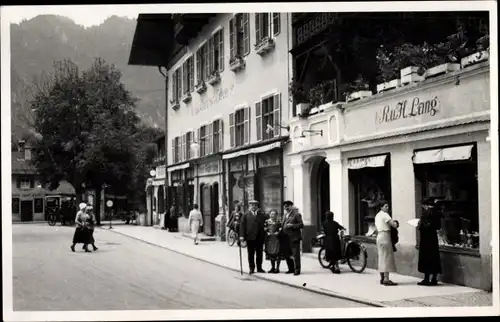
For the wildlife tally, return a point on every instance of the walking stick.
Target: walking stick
(241, 260)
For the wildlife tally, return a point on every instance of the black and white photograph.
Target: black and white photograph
(213, 161)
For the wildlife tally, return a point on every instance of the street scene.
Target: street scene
(251, 160)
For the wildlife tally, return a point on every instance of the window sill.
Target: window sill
(265, 46)
(237, 64)
(213, 79)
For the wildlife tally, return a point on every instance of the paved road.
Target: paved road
(125, 274)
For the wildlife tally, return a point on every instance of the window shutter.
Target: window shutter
(198, 140)
(221, 49)
(246, 33)
(191, 74)
(210, 138)
(206, 60)
(199, 71)
(257, 28)
(174, 87)
(173, 151)
(184, 148)
(277, 114)
(231, 131)
(211, 50)
(185, 77)
(246, 125)
(276, 21)
(221, 136)
(258, 120)
(179, 83)
(232, 38)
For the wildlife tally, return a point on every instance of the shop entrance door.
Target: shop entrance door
(323, 195)
(26, 210)
(215, 206)
(206, 208)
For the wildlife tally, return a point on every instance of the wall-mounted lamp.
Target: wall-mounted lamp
(270, 128)
(302, 137)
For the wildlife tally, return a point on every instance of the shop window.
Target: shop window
(452, 183)
(269, 176)
(239, 35)
(188, 75)
(15, 205)
(237, 181)
(38, 205)
(268, 117)
(370, 183)
(239, 127)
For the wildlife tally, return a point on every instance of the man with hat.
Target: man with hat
(292, 229)
(252, 231)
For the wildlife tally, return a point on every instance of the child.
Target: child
(273, 227)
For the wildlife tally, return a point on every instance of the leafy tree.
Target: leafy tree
(87, 129)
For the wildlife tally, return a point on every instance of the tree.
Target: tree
(86, 127)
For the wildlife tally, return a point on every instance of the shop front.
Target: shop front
(208, 177)
(181, 191)
(425, 141)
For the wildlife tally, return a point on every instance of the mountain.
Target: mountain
(38, 42)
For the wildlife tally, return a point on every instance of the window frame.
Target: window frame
(239, 132)
(275, 112)
(273, 27)
(239, 35)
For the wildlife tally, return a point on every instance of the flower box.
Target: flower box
(409, 70)
(200, 87)
(358, 95)
(236, 64)
(186, 97)
(213, 79)
(475, 58)
(395, 83)
(441, 69)
(175, 105)
(411, 78)
(303, 109)
(266, 45)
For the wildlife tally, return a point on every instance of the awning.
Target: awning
(463, 152)
(376, 161)
(179, 167)
(260, 149)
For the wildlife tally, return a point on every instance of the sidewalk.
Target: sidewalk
(363, 288)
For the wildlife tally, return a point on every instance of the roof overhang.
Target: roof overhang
(153, 42)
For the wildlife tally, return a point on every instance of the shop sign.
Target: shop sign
(269, 160)
(219, 95)
(237, 165)
(208, 168)
(160, 172)
(408, 109)
(368, 162)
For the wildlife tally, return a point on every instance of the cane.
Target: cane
(241, 260)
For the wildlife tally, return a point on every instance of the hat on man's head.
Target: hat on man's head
(253, 202)
(288, 203)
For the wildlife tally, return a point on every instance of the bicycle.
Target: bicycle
(351, 252)
(52, 219)
(233, 237)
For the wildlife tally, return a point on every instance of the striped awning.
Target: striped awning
(260, 149)
(376, 161)
(457, 153)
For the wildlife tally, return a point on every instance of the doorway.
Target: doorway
(320, 190)
(206, 208)
(26, 210)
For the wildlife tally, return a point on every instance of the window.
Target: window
(188, 76)
(269, 179)
(203, 138)
(239, 127)
(38, 205)
(239, 35)
(202, 67)
(218, 136)
(216, 52)
(266, 24)
(25, 183)
(267, 116)
(176, 148)
(15, 205)
(183, 148)
(189, 141)
(176, 85)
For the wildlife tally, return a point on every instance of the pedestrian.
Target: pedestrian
(195, 222)
(252, 231)
(333, 248)
(429, 261)
(292, 229)
(89, 226)
(385, 251)
(272, 227)
(234, 218)
(80, 235)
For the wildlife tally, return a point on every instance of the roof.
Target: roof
(21, 165)
(64, 188)
(153, 42)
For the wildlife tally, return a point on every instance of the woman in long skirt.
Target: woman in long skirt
(81, 236)
(89, 228)
(195, 222)
(272, 226)
(429, 261)
(385, 251)
(332, 241)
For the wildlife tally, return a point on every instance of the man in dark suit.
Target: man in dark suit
(292, 227)
(252, 231)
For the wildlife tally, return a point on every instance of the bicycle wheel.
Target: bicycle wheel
(356, 257)
(52, 220)
(231, 238)
(325, 263)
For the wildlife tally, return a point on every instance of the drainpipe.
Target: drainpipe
(165, 75)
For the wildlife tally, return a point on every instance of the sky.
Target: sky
(85, 15)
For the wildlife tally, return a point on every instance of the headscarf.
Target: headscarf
(82, 206)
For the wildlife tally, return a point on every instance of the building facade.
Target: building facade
(427, 139)
(228, 95)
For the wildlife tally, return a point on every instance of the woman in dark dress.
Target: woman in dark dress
(90, 226)
(81, 234)
(272, 226)
(331, 229)
(429, 261)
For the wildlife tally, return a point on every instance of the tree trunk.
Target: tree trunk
(97, 209)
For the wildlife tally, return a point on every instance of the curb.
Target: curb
(321, 292)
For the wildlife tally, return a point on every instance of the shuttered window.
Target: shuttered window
(189, 141)
(258, 120)
(239, 35)
(183, 148)
(202, 66)
(218, 135)
(239, 127)
(268, 117)
(203, 140)
(276, 23)
(261, 26)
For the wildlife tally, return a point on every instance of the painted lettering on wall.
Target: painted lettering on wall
(406, 109)
(220, 94)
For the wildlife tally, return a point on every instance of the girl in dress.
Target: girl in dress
(385, 246)
(273, 227)
(195, 222)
